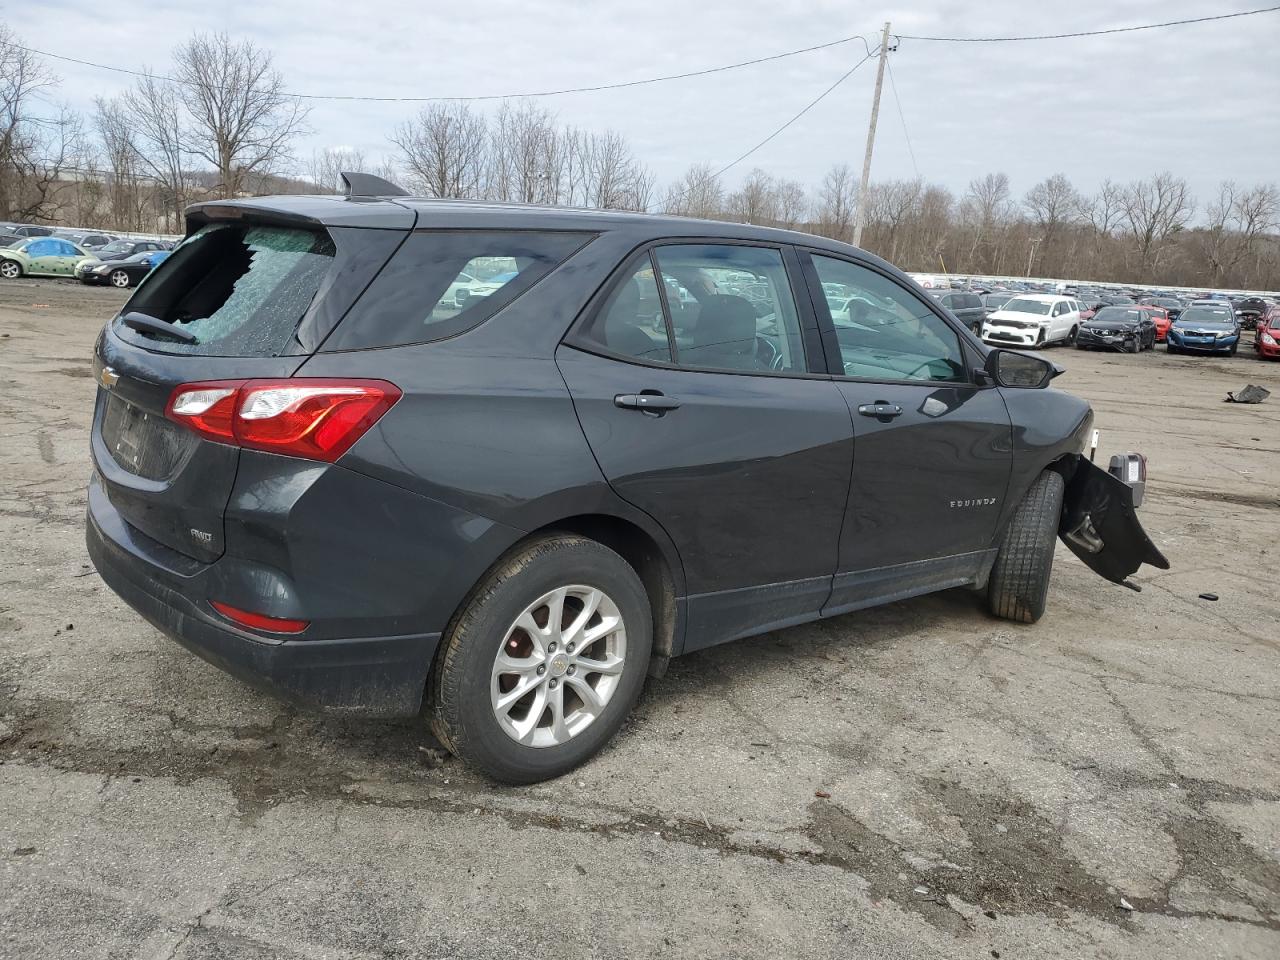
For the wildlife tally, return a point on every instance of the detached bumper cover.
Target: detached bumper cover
(367, 676)
(1100, 525)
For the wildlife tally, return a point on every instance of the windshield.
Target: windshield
(1117, 315)
(1021, 305)
(117, 246)
(1206, 315)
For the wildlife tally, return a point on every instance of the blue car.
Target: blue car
(1204, 329)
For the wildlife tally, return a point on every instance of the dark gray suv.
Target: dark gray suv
(379, 454)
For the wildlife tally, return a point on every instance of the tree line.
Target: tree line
(220, 122)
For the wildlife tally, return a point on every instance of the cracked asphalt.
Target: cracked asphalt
(914, 781)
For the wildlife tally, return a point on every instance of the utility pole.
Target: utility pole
(861, 219)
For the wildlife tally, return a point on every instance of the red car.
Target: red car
(1266, 337)
(1161, 317)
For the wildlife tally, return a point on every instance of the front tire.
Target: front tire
(1019, 585)
(119, 279)
(10, 269)
(517, 692)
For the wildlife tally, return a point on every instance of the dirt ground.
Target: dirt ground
(914, 781)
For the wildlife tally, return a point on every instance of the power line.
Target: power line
(493, 96)
(894, 87)
(803, 110)
(1094, 33)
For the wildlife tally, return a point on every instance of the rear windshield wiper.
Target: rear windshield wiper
(145, 324)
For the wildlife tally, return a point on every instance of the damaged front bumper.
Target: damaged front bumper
(1100, 522)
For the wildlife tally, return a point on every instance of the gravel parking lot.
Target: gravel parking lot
(914, 781)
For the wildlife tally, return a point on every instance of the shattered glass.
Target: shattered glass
(282, 270)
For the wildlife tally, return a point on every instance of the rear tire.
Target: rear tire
(1019, 583)
(465, 689)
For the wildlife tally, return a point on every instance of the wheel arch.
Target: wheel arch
(649, 552)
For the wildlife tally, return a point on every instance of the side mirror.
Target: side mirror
(1009, 368)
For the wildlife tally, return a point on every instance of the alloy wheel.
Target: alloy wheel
(10, 270)
(559, 665)
(119, 279)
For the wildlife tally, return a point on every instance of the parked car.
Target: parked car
(1249, 309)
(118, 250)
(1205, 329)
(1266, 340)
(313, 476)
(1033, 320)
(121, 273)
(991, 302)
(967, 307)
(1160, 317)
(1171, 305)
(40, 257)
(1131, 329)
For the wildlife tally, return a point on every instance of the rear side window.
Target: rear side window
(240, 289)
(443, 282)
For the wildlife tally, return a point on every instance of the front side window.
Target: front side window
(885, 332)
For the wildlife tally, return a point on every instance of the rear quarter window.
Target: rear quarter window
(443, 282)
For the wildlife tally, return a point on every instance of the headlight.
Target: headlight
(104, 269)
(1268, 339)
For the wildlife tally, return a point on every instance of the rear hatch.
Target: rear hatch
(258, 292)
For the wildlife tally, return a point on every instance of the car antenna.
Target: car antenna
(367, 185)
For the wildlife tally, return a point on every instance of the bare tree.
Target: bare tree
(756, 201)
(444, 149)
(1237, 219)
(836, 203)
(242, 121)
(1155, 211)
(697, 194)
(526, 155)
(793, 203)
(611, 176)
(1054, 204)
(159, 137)
(326, 167)
(23, 135)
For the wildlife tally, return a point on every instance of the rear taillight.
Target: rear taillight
(315, 419)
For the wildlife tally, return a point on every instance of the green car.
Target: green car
(41, 257)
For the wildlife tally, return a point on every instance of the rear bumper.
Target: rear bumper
(366, 676)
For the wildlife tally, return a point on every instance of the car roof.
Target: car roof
(1041, 297)
(428, 213)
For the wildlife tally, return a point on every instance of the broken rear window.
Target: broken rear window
(240, 289)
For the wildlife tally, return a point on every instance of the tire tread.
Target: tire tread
(1020, 577)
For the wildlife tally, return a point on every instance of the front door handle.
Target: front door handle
(880, 410)
(655, 404)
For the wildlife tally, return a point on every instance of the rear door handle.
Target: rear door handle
(653, 403)
(880, 410)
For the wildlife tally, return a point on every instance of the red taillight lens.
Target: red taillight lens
(315, 419)
(259, 621)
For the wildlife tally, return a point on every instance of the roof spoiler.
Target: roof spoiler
(367, 185)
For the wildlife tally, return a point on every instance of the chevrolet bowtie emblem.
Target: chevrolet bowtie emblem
(108, 378)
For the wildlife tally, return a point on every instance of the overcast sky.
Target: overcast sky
(1200, 100)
